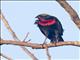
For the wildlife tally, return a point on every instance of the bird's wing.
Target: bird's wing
(44, 31)
(59, 27)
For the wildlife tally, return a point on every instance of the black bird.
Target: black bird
(50, 26)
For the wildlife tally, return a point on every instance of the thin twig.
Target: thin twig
(7, 57)
(47, 52)
(26, 36)
(73, 14)
(14, 36)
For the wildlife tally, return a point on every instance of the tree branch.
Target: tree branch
(7, 57)
(26, 36)
(15, 37)
(70, 11)
(47, 52)
(39, 46)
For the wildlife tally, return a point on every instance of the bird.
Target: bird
(50, 26)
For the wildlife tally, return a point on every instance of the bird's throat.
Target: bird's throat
(47, 22)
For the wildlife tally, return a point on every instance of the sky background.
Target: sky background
(21, 17)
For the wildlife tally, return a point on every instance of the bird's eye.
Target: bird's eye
(36, 21)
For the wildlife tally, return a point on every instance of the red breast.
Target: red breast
(47, 22)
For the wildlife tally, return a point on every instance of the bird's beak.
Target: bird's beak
(36, 16)
(36, 22)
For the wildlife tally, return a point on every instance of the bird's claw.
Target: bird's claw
(54, 43)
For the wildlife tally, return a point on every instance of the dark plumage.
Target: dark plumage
(50, 26)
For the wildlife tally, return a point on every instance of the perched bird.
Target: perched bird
(50, 26)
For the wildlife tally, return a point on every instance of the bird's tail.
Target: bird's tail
(60, 39)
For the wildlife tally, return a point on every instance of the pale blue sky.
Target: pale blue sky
(21, 17)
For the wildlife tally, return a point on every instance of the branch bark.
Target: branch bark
(73, 14)
(39, 46)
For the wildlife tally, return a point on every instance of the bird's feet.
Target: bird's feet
(54, 42)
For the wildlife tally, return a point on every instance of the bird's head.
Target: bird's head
(45, 20)
(43, 17)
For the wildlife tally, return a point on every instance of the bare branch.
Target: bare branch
(7, 57)
(40, 46)
(14, 36)
(26, 36)
(70, 11)
(47, 51)
(29, 53)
